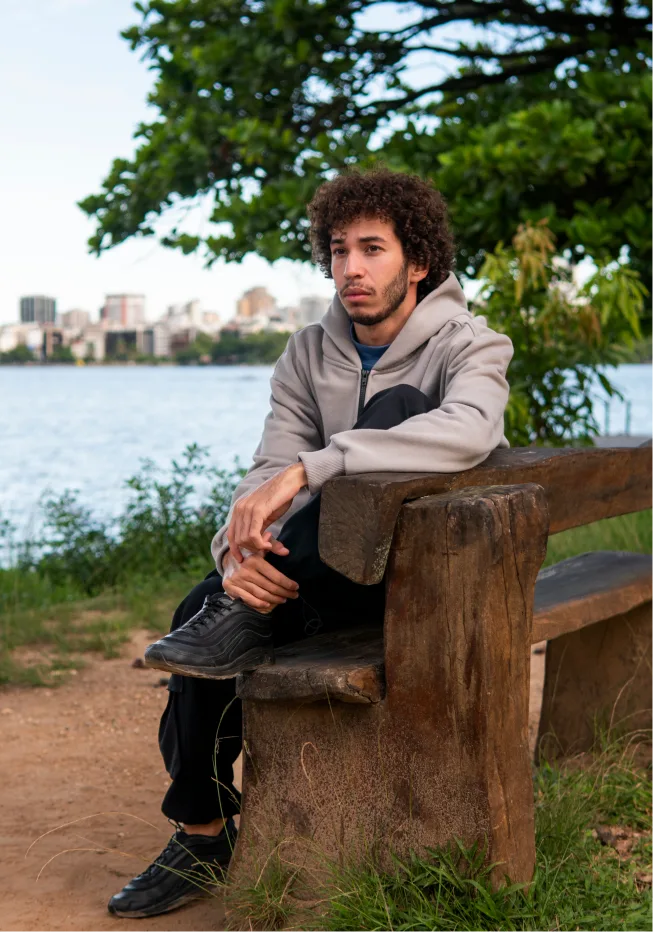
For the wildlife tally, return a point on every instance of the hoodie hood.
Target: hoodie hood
(432, 313)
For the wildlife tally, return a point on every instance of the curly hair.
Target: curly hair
(416, 210)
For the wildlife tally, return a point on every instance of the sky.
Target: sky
(74, 94)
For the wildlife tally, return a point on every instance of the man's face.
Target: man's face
(370, 271)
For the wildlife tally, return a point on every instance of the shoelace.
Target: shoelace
(313, 623)
(219, 604)
(172, 844)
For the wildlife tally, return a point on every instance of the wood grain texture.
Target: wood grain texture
(344, 665)
(589, 588)
(445, 753)
(457, 657)
(596, 675)
(359, 513)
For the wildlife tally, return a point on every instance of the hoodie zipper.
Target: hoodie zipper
(365, 374)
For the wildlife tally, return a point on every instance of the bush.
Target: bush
(166, 528)
(262, 348)
(19, 354)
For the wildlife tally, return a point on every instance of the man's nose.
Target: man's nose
(353, 266)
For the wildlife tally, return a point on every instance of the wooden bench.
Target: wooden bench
(371, 741)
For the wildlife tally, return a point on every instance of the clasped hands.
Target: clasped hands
(247, 575)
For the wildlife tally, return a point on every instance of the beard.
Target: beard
(394, 295)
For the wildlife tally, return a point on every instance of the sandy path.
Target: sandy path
(89, 749)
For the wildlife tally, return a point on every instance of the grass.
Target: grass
(580, 883)
(628, 532)
(40, 645)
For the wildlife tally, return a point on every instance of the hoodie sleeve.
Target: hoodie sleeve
(458, 435)
(289, 427)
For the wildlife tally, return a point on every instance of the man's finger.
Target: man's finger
(267, 585)
(276, 577)
(277, 547)
(257, 592)
(232, 538)
(235, 592)
(254, 533)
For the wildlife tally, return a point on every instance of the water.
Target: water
(88, 428)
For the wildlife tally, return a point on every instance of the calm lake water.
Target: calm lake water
(88, 428)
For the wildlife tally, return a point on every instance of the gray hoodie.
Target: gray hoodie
(451, 356)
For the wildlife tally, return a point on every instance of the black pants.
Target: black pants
(200, 735)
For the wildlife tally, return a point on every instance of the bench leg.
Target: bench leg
(457, 657)
(596, 676)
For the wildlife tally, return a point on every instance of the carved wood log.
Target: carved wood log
(457, 657)
(445, 753)
(359, 512)
(599, 675)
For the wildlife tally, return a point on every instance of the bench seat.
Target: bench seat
(348, 665)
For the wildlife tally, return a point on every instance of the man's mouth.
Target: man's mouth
(356, 293)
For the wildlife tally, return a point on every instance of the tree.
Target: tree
(20, 354)
(193, 353)
(546, 113)
(252, 348)
(563, 333)
(61, 354)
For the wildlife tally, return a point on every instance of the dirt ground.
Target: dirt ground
(87, 751)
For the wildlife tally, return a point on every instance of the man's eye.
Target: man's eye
(373, 248)
(338, 252)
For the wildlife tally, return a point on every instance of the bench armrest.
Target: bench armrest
(359, 513)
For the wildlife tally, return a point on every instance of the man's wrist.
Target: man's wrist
(300, 472)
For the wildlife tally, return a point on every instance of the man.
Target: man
(398, 376)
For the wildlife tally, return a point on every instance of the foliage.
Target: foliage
(123, 350)
(251, 348)
(563, 333)
(642, 351)
(545, 113)
(19, 354)
(167, 526)
(61, 354)
(195, 351)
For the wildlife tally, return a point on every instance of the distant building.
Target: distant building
(75, 319)
(127, 310)
(93, 343)
(38, 309)
(13, 335)
(183, 316)
(211, 321)
(158, 340)
(312, 309)
(257, 302)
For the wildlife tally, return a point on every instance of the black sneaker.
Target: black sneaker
(185, 870)
(224, 638)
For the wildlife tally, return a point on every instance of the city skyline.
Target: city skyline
(79, 95)
(108, 309)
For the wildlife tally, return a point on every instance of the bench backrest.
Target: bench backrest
(359, 513)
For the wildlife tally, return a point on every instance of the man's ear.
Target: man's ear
(417, 273)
